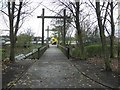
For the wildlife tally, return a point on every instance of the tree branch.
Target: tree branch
(4, 12)
(51, 10)
(18, 18)
(92, 5)
(107, 31)
(106, 14)
(67, 7)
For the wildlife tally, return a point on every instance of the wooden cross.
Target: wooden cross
(47, 34)
(43, 17)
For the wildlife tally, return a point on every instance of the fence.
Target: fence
(65, 50)
(35, 54)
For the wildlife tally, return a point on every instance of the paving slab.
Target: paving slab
(54, 70)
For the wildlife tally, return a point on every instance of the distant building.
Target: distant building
(36, 40)
(4, 40)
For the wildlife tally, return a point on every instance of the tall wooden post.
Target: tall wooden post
(59, 36)
(48, 35)
(119, 32)
(59, 17)
(43, 26)
(64, 26)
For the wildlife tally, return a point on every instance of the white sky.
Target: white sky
(33, 22)
(36, 23)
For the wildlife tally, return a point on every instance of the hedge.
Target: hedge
(93, 50)
(96, 50)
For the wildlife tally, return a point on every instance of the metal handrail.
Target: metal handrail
(41, 50)
(66, 49)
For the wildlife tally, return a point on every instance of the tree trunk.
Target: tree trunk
(12, 49)
(18, 18)
(119, 32)
(13, 31)
(103, 38)
(112, 32)
(79, 32)
(11, 23)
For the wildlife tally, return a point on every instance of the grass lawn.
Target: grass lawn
(18, 50)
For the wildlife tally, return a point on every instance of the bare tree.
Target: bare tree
(16, 19)
(11, 15)
(76, 12)
(119, 31)
(79, 30)
(112, 25)
(101, 25)
(112, 36)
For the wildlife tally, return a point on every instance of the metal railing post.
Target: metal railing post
(38, 52)
(68, 52)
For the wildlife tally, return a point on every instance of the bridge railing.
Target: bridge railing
(35, 54)
(41, 50)
(65, 50)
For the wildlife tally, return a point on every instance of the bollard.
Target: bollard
(38, 52)
(48, 46)
(68, 52)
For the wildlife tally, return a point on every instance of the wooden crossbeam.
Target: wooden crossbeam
(59, 17)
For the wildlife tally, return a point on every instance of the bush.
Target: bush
(24, 40)
(96, 50)
(4, 55)
(76, 52)
(93, 50)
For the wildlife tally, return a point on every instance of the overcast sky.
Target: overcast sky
(33, 22)
(36, 23)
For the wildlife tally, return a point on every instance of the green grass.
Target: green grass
(93, 51)
(96, 50)
(76, 52)
(18, 50)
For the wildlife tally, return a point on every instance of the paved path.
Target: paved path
(53, 70)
